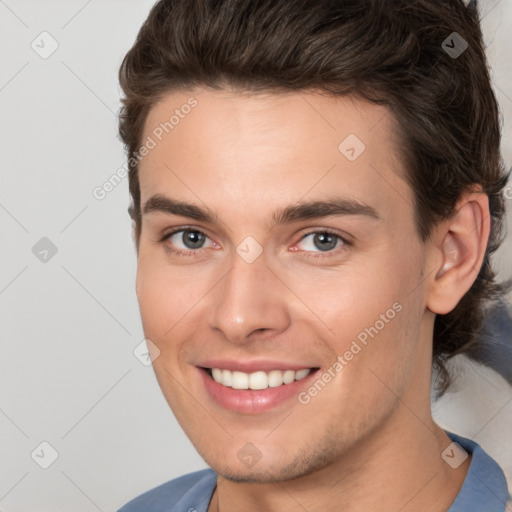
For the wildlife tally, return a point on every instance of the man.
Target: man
(317, 190)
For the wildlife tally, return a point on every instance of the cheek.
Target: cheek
(164, 293)
(161, 299)
(352, 298)
(151, 297)
(171, 300)
(369, 314)
(386, 326)
(163, 311)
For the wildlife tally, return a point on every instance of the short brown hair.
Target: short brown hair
(391, 52)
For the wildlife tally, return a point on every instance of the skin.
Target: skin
(367, 440)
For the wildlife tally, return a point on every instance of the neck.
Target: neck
(397, 468)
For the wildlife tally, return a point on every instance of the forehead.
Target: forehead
(258, 118)
(271, 148)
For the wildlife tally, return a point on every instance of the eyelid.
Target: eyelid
(175, 230)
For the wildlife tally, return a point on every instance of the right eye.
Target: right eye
(186, 241)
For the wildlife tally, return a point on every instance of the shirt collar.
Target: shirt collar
(198, 497)
(484, 487)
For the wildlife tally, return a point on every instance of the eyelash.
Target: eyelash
(327, 254)
(308, 254)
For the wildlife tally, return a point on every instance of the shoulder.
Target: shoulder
(191, 491)
(485, 486)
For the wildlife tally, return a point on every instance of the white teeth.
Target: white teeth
(217, 374)
(288, 376)
(302, 373)
(227, 378)
(275, 378)
(240, 380)
(257, 380)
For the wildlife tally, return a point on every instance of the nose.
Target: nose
(251, 300)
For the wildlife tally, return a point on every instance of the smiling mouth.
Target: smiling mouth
(258, 380)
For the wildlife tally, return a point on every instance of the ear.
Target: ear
(134, 237)
(456, 252)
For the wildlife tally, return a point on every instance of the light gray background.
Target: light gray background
(69, 325)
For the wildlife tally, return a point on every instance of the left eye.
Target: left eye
(322, 241)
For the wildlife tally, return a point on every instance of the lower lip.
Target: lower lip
(250, 401)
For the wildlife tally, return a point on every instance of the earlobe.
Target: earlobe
(459, 252)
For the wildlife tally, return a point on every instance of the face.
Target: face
(280, 276)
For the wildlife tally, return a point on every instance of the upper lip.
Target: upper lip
(253, 365)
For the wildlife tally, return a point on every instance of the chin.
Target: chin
(262, 472)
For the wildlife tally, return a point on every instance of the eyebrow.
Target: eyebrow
(163, 204)
(294, 213)
(324, 208)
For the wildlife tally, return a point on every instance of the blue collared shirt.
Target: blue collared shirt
(484, 488)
